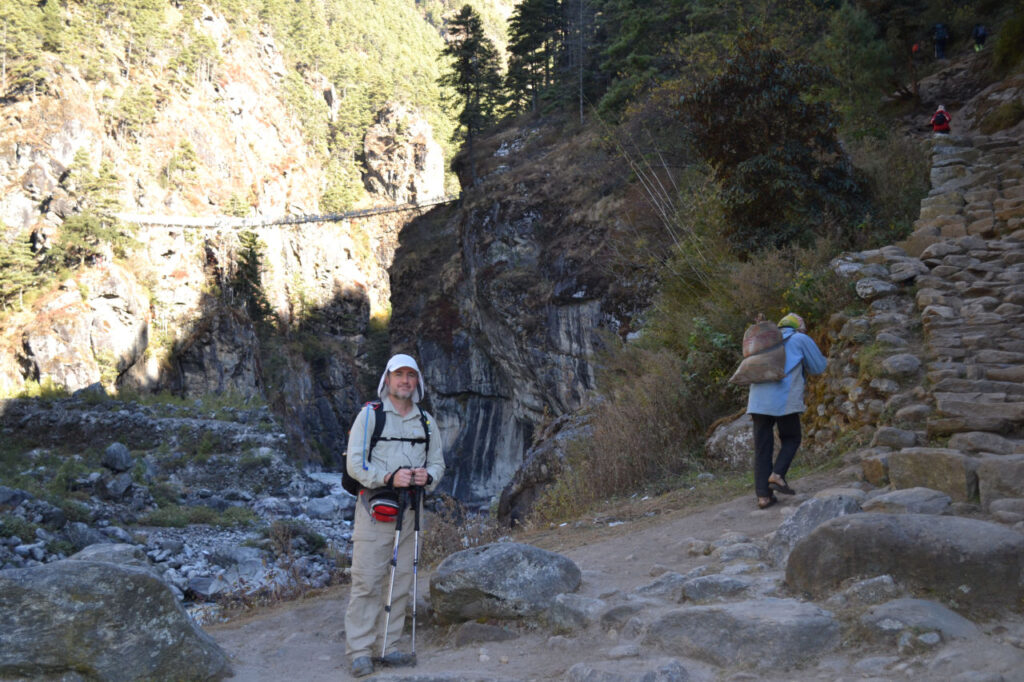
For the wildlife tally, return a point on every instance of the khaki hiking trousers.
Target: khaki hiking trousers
(372, 545)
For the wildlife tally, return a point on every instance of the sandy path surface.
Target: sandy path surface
(304, 640)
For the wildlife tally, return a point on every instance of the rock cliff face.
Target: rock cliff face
(504, 300)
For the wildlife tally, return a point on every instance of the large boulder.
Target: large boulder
(500, 580)
(974, 565)
(100, 621)
(805, 519)
(732, 443)
(775, 633)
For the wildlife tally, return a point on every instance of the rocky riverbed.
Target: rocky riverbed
(242, 523)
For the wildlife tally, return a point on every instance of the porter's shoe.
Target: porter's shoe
(362, 666)
(398, 659)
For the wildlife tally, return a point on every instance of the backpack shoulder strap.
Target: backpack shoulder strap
(380, 416)
(426, 432)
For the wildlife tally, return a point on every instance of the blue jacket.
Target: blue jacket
(786, 396)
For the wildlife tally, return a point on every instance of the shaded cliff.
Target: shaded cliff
(505, 297)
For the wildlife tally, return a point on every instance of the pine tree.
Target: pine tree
(773, 146)
(16, 271)
(248, 279)
(537, 31)
(21, 69)
(95, 227)
(475, 75)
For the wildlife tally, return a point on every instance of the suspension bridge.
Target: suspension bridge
(234, 223)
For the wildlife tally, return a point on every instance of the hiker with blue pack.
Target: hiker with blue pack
(777, 405)
(393, 459)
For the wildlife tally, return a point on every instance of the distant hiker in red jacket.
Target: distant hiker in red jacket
(940, 121)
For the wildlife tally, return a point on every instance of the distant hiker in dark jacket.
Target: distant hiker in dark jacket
(940, 121)
(778, 404)
(980, 33)
(940, 33)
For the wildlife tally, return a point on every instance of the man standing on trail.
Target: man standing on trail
(778, 404)
(405, 459)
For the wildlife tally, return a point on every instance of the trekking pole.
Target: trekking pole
(394, 564)
(417, 500)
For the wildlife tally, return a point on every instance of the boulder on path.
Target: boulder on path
(1000, 477)
(805, 519)
(100, 621)
(664, 670)
(777, 633)
(889, 620)
(975, 565)
(500, 580)
(917, 500)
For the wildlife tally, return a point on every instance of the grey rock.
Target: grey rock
(901, 365)
(863, 592)
(740, 550)
(623, 671)
(731, 443)
(12, 497)
(118, 458)
(804, 520)
(475, 633)
(871, 288)
(116, 622)
(500, 580)
(81, 536)
(118, 534)
(114, 487)
(1000, 477)
(571, 612)
(910, 501)
(234, 555)
(976, 565)
(888, 620)
(707, 588)
(668, 586)
(981, 441)
(889, 436)
(767, 632)
(330, 507)
(617, 616)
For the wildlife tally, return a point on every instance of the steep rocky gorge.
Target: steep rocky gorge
(169, 316)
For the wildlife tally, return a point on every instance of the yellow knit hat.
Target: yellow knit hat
(793, 320)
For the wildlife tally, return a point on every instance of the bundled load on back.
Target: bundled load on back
(764, 355)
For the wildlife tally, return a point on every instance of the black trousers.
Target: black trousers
(764, 447)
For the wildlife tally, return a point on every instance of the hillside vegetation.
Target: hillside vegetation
(741, 147)
(735, 146)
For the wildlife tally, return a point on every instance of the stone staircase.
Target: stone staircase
(946, 333)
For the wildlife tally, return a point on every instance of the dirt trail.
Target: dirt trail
(305, 640)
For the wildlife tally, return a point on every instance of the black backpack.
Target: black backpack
(350, 484)
(940, 118)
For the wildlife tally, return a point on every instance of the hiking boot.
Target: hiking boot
(398, 659)
(362, 666)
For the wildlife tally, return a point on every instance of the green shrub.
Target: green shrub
(896, 169)
(1009, 44)
(646, 432)
(14, 526)
(289, 535)
(178, 516)
(453, 529)
(1006, 115)
(237, 516)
